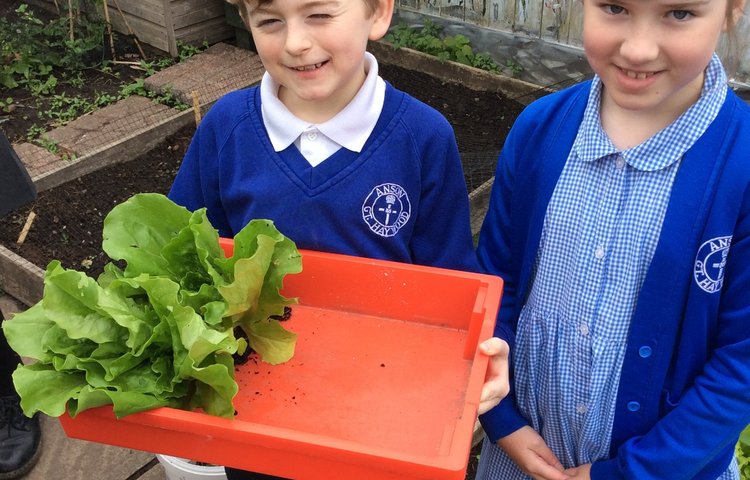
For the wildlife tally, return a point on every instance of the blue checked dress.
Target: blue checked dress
(600, 232)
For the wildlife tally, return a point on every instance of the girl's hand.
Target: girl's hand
(582, 472)
(531, 454)
(496, 384)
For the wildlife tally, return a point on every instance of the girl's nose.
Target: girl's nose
(640, 45)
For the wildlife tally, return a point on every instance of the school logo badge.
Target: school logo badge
(386, 209)
(710, 263)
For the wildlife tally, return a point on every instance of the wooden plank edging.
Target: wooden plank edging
(454, 72)
(20, 278)
(479, 200)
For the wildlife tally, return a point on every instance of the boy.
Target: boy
(340, 160)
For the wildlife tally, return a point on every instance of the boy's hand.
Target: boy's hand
(531, 454)
(582, 472)
(496, 384)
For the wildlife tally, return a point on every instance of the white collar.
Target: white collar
(350, 128)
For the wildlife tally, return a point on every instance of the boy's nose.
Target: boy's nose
(297, 39)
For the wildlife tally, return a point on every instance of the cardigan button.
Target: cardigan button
(634, 406)
(645, 351)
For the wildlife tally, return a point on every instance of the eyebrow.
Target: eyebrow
(309, 4)
(684, 4)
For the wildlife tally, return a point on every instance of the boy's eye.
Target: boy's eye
(320, 16)
(266, 22)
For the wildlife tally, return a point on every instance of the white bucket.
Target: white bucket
(181, 469)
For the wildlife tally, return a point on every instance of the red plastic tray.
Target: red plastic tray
(384, 383)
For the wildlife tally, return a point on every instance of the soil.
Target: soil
(68, 222)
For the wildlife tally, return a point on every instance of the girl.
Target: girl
(620, 221)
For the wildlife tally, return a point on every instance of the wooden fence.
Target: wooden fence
(165, 24)
(558, 21)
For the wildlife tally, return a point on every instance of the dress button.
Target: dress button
(584, 329)
(645, 351)
(582, 408)
(634, 406)
(620, 162)
(312, 136)
(599, 252)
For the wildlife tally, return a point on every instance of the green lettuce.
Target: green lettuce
(157, 328)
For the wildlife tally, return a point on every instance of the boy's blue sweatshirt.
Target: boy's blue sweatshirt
(684, 394)
(403, 198)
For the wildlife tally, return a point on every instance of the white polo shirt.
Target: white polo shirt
(350, 128)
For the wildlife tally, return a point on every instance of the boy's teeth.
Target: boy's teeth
(308, 67)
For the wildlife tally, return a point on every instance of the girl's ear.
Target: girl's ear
(738, 10)
(382, 19)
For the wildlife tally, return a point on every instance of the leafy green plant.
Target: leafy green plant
(30, 49)
(64, 109)
(48, 144)
(743, 454)
(152, 67)
(456, 48)
(103, 99)
(111, 340)
(514, 67)
(7, 104)
(185, 50)
(166, 98)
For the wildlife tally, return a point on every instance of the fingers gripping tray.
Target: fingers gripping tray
(384, 383)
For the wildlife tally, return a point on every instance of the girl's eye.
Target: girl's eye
(320, 16)
(680, 14)
(614, 9)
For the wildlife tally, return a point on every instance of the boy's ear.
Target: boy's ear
(381, 19)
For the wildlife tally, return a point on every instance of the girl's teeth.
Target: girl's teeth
(637, 75)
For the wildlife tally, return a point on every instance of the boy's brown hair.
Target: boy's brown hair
(244, 6)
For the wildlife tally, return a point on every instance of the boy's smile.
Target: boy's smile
(306, 68)
(314, 49)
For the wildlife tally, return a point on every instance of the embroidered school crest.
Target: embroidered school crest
(386, 209)
(710, 262)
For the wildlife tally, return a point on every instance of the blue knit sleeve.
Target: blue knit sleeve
(197, 183)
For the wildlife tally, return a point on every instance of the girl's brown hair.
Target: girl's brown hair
(729, 46)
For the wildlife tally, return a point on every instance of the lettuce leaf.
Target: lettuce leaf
(160, 331)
